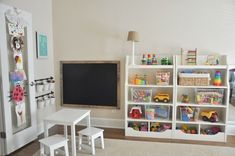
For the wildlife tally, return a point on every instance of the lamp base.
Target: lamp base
(133, 53)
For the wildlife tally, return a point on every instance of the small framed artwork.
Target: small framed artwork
(42, 42)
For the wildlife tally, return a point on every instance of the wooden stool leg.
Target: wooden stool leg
(66, 149)
(92, 146)
(41, 149)
(102, 141)
(51, 152)
(79, 142)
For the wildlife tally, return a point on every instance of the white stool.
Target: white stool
(54, 142)
(92, 133)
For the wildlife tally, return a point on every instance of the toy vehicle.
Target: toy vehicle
(161, 97)
(211, 116)
(211, 131)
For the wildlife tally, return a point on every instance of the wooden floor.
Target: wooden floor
(31, 148)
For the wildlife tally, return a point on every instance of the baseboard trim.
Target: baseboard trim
(97, 122)
(108, 123)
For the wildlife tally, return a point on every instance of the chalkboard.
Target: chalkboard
(90, 83)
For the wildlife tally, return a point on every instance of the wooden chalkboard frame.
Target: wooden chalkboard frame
(90, 62)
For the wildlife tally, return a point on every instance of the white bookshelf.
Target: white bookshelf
(150, 71)
(222, 109)
(175, 90)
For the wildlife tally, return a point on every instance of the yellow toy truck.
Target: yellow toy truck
(211, 116)
(162, 97)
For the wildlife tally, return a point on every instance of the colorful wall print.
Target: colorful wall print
(42, 49)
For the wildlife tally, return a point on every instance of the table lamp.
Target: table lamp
(134, 37)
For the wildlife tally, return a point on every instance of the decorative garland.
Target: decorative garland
(16, 26)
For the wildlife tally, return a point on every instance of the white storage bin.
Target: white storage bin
(46, 86)
(41, 103)
(47, 101)
(39, 87)
(52, 100)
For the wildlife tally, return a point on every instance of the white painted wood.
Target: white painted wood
(148, 69)
(201, 105)
(54, 142)
(41, 149)
(151, 66)
(149, 103)
(147, 120)
(67, 117)
(73, 140)
(150, 86)
(166, 134)
(222, 87)
(65, 131)
(92, 133)
(2, 141)
(177, 90)
(221, 136)
(201, 67)
(19, 139)
(201, 122)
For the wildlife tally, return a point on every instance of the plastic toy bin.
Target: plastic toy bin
(209, 96)
(141, 95)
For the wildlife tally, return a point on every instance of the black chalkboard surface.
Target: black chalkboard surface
(90, 83)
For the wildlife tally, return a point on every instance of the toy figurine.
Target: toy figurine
(185, 98)
(188, 130)
(135, 127)
(143, 127)
(217, 79)
(140, 80)
(165, 61)
(155, 126)
(149, 60)
(154, 60)
(144, 60)
(188, 113)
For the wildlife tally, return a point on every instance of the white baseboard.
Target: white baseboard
(108, 123)
(231, 128)
(97, 122)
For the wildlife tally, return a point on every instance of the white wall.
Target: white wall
(97, 30)
(42, 21)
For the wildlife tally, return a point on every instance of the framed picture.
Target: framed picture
(42, 49)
